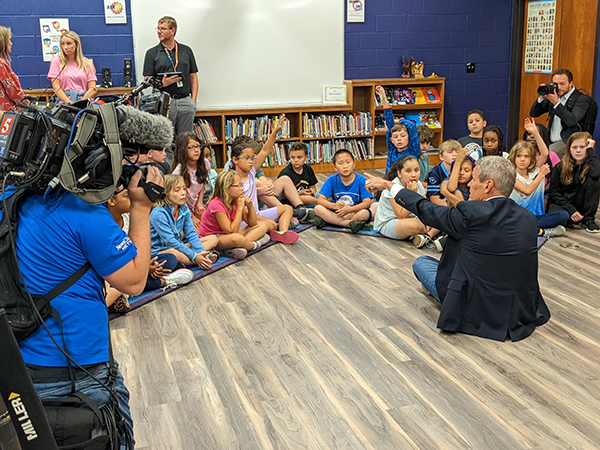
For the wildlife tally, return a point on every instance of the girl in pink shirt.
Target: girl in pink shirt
(231, 216)
(73, 76)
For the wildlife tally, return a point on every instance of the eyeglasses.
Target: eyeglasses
(194, 147)
(249, 158)
(161, 29)
(239, 185)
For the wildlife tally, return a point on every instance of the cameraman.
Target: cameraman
(562, 121)
(55, 237)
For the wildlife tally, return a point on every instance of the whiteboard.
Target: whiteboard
(251, 53)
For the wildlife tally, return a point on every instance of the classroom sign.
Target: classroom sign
(51, 30)
(539, 41)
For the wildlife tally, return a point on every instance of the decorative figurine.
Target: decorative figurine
(417, 69)
(406, 67)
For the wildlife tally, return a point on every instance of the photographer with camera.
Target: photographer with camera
(565, 105)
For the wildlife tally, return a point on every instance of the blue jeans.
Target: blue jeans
(425, 269)
(552, 219)
(93, 390)
(171, 264)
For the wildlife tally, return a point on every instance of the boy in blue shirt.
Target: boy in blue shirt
(441, 172)
(344, 200)
(402, 138)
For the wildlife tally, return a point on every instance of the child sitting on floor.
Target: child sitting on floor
(169, 218)
(212, 173)
(493, 141)
(448, 150)
(391, 219)
(575, 182)
(231, 217)
(426, 137)
(344, 200)
(246, 163)
(402, 138)
(460, 176)
(161, 272)
(474, 141)
(301, 175)
(189, 162)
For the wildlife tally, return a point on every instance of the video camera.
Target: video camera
(546, 89)
(80, 146)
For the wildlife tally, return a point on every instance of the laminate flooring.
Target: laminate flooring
(330, 343)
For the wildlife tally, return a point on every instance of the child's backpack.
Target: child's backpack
(588, 121)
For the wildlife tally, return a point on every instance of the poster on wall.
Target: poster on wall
(51, 30)
(114, 12)
(539, 41)
(356, 11)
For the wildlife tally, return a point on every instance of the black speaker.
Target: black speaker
(106, 77)
(127, 76)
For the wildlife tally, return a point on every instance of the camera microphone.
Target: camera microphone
(141, 132)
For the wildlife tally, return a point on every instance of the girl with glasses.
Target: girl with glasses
(232, 218)
(189, 162)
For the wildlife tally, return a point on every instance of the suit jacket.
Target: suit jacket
(570, 119)
(487, 276)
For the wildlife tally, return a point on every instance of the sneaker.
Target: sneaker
(304, 214)
(439, 242)
(590, 226)
(236, 253)
(181, 276)
(421, 240)
(294, 223)
(554, 231)
(285, 237)
(320, 223)
(262, 241)
(356, 225)
(120, 305)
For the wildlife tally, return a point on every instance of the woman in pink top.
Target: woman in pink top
(73, 76)
(188, 154)
(224, 214)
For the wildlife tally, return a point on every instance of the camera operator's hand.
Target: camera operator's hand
(552, 97)
(136, 193)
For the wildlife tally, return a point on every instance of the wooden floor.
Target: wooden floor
(330, 344)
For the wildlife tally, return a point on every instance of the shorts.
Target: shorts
(388, 229)
(270, 213)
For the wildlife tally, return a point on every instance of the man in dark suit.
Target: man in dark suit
(566, 107)
(486, 279)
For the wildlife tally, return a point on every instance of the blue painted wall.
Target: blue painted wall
(445, 34)
(107, 45)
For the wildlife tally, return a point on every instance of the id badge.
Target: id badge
(180, 83)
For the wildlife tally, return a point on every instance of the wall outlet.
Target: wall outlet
(470, 67)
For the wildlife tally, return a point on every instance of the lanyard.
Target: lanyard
(176, 56)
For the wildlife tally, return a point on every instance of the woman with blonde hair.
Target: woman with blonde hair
(10, 87)
(73, 76)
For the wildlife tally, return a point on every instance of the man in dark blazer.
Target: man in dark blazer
(565, 105)
(486, 279)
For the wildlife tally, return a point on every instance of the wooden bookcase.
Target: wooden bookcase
(360, 97)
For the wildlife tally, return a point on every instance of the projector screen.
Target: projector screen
(251, 53)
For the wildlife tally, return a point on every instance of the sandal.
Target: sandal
(121, 305)
(214, 256)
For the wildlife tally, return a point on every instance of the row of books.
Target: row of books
(259, 128)
(205, 131)
(278, 157)
(410, 96)
(322, 151)
(322, 125)
(428, 118)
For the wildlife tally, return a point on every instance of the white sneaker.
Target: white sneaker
(555, 231)
(181, 276)
(421, 240)
(262, 241)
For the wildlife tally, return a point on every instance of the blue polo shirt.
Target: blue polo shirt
(54, 239)
(351, 194)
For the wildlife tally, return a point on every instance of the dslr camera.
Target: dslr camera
(546, 89)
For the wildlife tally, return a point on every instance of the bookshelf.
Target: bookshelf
(324, 128)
